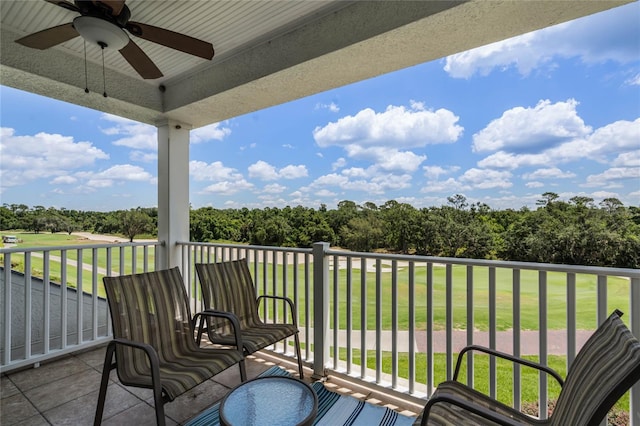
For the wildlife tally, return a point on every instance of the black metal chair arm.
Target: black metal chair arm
(286, 299)
(508, 357)
(229, 316)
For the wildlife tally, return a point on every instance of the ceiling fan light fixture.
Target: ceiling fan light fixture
(101, 32)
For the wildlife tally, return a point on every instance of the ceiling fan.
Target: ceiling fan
(103, 22)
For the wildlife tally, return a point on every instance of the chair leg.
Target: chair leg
(104, 382)
(243, 371)
(158, 402)
(297, 341)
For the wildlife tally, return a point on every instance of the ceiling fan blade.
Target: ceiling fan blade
(115, 5)
(65, 4)
(50, 37)
(140, 61)
(171, 39)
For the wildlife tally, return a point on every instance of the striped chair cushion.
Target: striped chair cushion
(152, 308)
(446, 414)
(228, 286)
(605, 368)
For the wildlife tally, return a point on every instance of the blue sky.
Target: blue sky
(555, 110)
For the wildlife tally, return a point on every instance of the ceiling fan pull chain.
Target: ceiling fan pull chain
(86, 79)
(104, 78)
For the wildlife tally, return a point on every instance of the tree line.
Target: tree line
(577, 231)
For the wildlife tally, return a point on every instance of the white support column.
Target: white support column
(173, 190)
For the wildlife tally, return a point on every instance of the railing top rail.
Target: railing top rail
(248, 247)
(550, 267)
(79, 246)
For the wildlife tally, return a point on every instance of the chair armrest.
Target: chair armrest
(286, 299)
(506, 356)
(151, 353)
(476, 409)
(229, 316)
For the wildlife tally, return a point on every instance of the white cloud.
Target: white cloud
(213, 131)
(613, 176)
(608, 36)
(331, 107)
(386, 158)
(634, 81)
(534, 184)
(115, 174)
(63, 180)
(228, 187)
(396, 127)
(548, 173)
(531, 129)
(293, 172)
(43, 155)
(143, 157)
(133, 134)
(339, 163)
(325, 193)
(216, 171)
(551, 134)
(627, 159)
(449, 186)
(486, 179)
(274, 188)
(434, 172)
(265, 171)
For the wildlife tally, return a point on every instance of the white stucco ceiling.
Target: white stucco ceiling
(267, 52)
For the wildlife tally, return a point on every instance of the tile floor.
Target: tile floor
(65, 392)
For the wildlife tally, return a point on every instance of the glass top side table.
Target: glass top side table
(272, 401)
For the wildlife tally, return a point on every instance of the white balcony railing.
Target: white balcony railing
(408, 315)
(54, 306)
(412, 314)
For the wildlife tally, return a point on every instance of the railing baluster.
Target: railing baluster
(94, 292)
(7, 309)
(571, 319)
(394, 324)
(634, 325)
(493, 325)
(542, 330)
(27, 305)
(517, 377)
(79, 293)
(412, 326)
(349, 313)
(378, 321)
(63, 298)
(336, 310)
(363, 317)
(320, 308)
(307, 307)
(46, 293)
(429, 295)
(449, 319)
(470, 324)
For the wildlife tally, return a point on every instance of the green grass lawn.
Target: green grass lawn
(586, 299)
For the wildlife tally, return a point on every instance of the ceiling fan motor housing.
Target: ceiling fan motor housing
(101, 32)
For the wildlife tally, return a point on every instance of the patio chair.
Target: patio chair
(154, 339)
(228, 287)
(605, 368)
